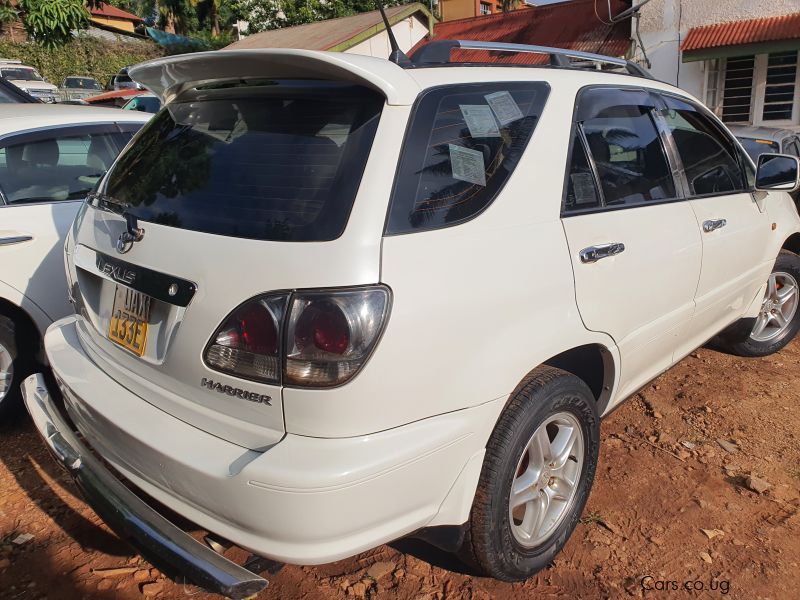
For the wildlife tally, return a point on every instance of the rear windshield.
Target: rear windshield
(281, 162)
(755, 147)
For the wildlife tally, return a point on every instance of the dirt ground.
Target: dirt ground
(671, 509)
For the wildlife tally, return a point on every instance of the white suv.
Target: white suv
(28, 79)
(324, 301)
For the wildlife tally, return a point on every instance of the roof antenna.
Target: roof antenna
(397, 56)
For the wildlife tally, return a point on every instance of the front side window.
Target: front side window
(280, 161)
(462, 145)
(622, 138)
(709, 157)
(57, 168)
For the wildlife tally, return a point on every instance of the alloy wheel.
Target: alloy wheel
(546, 480)
(778, 308)
(6, 371)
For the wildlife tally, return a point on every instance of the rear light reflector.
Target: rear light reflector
(316, 338)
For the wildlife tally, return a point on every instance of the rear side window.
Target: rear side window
(710, 159)
(620, 132)
(461, 147)
(62, 167)
(279, 162)
(581, 187)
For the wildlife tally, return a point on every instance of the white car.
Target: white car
(28, 79)
(325, 301)
(50, 158)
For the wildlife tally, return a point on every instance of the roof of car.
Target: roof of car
(21, 117)
(171, 76)
(768, 133)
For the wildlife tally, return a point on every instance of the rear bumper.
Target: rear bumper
(304, 500)
(161, 542)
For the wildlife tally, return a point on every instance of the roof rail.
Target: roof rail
(438, 52)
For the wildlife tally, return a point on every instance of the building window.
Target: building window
(759, 89)
(486, 8)
(737, 97)
(714, 86)
(779, 92)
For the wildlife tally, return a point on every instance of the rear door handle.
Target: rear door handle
(714, 224)
(14, 239)
(594, 253)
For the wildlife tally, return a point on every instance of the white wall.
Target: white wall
(408, 32)
(665, 23)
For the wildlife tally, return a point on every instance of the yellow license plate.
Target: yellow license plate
(129, 319)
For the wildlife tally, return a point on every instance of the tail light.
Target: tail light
(248, 342)
(306, 338)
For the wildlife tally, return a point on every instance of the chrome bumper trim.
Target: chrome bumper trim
(166, 546)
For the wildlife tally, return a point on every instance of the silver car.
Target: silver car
(768, 140)
(77, 87)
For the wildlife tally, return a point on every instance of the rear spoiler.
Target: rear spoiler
(169, 77)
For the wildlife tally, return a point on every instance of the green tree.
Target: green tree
(508, 5)
(8, 14)
(174, 15)
(51, 22)
(211, 8)
(274, 14)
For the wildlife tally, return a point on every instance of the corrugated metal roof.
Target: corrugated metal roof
(322, 35)
(736, 33)
(573, 25)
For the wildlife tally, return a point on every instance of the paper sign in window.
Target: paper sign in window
(467, 165)
(504, 107)
(583, 188)
(480, 120)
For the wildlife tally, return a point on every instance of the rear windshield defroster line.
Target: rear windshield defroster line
(280, 163)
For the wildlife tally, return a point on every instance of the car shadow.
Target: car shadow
(432, 555)
(26, 457)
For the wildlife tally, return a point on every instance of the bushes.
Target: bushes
(82, 56)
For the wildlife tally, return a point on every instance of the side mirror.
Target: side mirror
(777, 172)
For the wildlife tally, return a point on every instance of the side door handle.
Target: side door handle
(15, 239)
(594, 253)
(714, 224)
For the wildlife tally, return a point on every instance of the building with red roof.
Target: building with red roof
(573, 25)
(108, 16)
(739, 56)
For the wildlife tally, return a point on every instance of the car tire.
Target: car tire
(766, 335)
(15, 365)
(505, 541)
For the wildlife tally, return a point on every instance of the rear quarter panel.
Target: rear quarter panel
(475, 307)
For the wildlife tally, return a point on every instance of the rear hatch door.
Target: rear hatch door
(235, 189)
